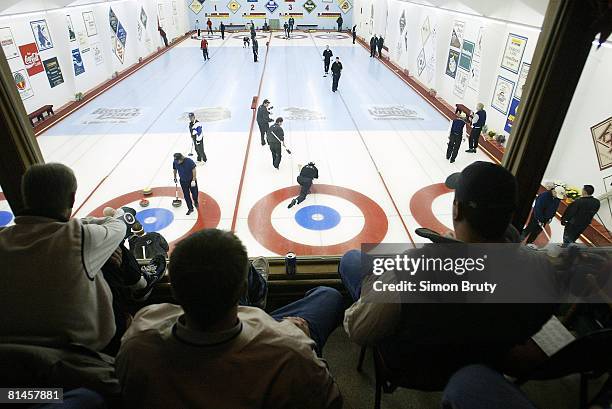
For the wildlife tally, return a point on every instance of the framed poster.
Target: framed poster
(461, 81)
(512, 115)
(451, 63)
(457, 34)
(467, 53)
(602, 138)
(71, 34)
(8, 43)
(22, 82)
(513, 53)
(41, 35)
(97, 53)
(502, 94)
(54, 72)
(77, 62)
(31, 59)
(90, 23)
(520, 84)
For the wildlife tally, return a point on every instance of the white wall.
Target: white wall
(574, 160)
(97, 69)
(406, 45)
(284, 7)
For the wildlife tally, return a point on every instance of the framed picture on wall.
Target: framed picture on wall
(90, 23)
(8, 43)
(513, 53)
(520, 84)
(71, 33)
(602, 138)
(41, 35)
(502, 94)
(23, 84)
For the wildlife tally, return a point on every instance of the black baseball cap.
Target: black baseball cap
(485, 186)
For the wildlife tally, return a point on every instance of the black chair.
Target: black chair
(387, 380)
(590, 356)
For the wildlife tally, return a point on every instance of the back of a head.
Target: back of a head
(208, 272)
(49, 187)
(588, 189)
(488, 195)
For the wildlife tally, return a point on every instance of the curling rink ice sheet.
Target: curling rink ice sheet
(379, 147)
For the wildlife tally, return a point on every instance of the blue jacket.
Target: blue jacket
(545, 206)
(457, 127)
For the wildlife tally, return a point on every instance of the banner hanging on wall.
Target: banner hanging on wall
(461, 80)
(77, 62)
(41, 35)
(521, 80)
(233, 6)
(513, 53)
(271, 5)
(502, 94)
(143, 17)
(451, 63)
(474, 81)
(467, 53)
(22, 83)
(512, 113)
(402, 21)
(31, 59)
(425, 30)
(309, 6)
(346, 6)
(8, 43)
(196, 6)
(602, 138)
(90, 23)
(421, 62)
(479, 39)
(457, 34)
(71, 34)
(54, 72)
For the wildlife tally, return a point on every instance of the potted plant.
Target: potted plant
(78, 96)
(571, 194)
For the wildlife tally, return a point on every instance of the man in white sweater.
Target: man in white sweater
(51, 289)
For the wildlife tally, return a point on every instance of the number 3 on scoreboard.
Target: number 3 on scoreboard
(290, 7)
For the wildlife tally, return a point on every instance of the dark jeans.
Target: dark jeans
(305, 185)
(570, 234)
(205, 53)
(354, 37)
(276, 150)
(199, 148)
(532, 231)
(335, 79)
(254, 55)
(199, 32)
(474, 136)
(222, 34)
(322, 308)
(352, 273)
(210, 30)
(189, 192)
(326, 65)
(291, 28)
(454, 142)
(379, 52)
(263, 128)
(339, 27)
(479, 387)
(373, 51)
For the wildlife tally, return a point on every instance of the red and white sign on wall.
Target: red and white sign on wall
(31, 59)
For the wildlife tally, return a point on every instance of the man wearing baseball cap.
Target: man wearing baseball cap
(428, 342)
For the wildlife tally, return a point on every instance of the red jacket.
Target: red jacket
(203, 44)
(209, 23)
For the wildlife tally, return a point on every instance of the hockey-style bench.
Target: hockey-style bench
(39, 114)
(307, 26)
(235, 27)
